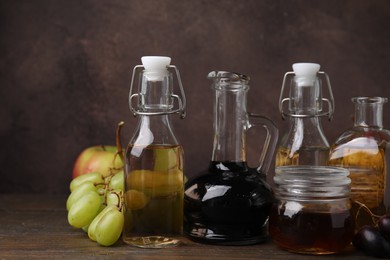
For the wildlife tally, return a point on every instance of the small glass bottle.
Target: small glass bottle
(363, 150)
(229, 203)
(312, 212)
(305, 142)
(154, 184)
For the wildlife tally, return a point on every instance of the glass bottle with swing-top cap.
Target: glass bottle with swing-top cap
(305, 142)
(154, 183)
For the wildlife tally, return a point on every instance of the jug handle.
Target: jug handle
(270, 140)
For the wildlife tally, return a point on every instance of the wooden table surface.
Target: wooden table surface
(35, 227)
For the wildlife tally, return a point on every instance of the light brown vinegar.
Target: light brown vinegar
(154, 196)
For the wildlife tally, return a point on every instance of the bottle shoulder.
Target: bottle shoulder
(362, 134)
(300, 139)
(154, 130)
(304, 132)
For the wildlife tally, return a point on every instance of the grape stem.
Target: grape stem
(120, 202)
(363, 206)
(107, 189)
(118, 140)
(119, 149)
(99, 183)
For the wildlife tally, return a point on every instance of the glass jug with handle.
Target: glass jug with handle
(230, 202)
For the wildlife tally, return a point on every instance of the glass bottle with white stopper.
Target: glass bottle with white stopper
(154, 159)
(305, 142)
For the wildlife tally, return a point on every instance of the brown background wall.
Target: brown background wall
(65, 68)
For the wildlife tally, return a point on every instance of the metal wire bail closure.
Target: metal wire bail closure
(181, 101)
(329, 100)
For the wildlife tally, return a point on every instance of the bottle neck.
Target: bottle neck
(369, 112)
(230, 119)
(305, 122)
(155, 95)
(305, 97)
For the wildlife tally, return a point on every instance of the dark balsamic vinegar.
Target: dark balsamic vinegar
(228, 204)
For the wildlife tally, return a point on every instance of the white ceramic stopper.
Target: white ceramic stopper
(306, 69)
(155, 66)
(305, 73)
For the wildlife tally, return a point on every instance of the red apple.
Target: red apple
(102, 159)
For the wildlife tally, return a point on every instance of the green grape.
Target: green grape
(84, 210)
(109, 228)
(93, 177)
(101, 190)
(92, 226)
(78, 192)
(113, 198)
(117, 181)
(85, 228)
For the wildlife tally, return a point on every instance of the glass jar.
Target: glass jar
(312, 211)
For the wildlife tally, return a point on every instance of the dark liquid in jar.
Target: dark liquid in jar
(311, 232)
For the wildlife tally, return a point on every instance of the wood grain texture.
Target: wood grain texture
(35, 227)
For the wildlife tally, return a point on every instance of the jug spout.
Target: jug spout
(227, 78)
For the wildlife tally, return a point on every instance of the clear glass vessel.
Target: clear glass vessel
(312, 212)
(154, 186)
(363, 150)
(229, 203)
(305, 142)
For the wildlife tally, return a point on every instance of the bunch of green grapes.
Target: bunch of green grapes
(95, 205)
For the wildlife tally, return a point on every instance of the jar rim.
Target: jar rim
(316, 172)
(312, 181)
